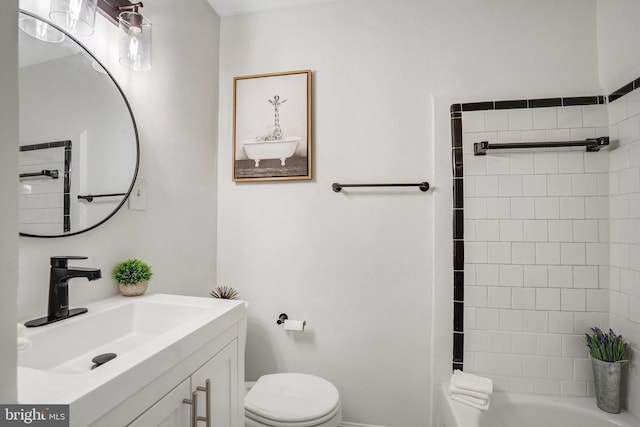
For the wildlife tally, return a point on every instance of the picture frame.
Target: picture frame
(272, 127)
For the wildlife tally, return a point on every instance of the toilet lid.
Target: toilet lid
(292, 398)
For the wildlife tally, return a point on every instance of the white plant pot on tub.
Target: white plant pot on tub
(261, 150)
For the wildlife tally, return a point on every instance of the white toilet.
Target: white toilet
(292, 400)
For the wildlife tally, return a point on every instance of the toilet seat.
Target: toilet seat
(292, 400)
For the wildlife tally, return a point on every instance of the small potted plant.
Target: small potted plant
(132, 276)
(607, 351)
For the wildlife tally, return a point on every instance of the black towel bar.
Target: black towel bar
(592, 144)
(337, 187)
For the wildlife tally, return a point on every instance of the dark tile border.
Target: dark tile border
(66, 210)
(458, 194)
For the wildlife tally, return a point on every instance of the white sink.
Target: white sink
(150, 334)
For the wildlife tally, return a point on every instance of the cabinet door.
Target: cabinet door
(170, 411)
(222, 373)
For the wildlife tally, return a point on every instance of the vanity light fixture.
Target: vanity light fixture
(77, 17)
(135, 35)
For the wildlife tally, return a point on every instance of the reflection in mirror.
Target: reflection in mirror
(78, 138)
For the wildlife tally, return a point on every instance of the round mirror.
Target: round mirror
(79, 147)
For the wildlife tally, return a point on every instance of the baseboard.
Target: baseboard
(346, 424)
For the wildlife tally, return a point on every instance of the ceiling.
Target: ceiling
(239, 7)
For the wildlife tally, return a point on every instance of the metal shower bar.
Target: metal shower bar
(337, 187)
(90, 197)
(592, 144)
(53, 174)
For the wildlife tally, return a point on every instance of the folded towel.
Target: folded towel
(455, 390)
(482, 404)
(24, 344)
(21, 329)
(480, 386)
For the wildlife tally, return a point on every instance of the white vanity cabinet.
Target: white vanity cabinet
(213, 387)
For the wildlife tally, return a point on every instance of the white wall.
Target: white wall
(367, 257)
(175, 106)
(9, 205)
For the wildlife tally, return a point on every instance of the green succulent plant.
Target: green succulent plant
(132, 272)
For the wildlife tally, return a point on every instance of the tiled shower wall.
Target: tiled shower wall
(624, 231)
(536, 235)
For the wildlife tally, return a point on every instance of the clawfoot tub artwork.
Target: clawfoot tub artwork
(272, 142)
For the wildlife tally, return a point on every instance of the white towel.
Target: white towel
(482, 404)
(24, 343)
(471, 385)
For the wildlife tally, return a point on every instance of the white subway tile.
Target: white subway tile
(469, 186)
(497, 120)
(560, 368)
(535, 230)
(573, 388)
(475, 252)
(522, 208)
(560, 230)
(619, 304)
(486, 186)
(469, 321)
(559, 185)
(582, 369)
(511, 320)
(523, 298)
(585, 230)
(474, 165)
(585, 276)
(597, 300)
(634, 309)
(596, 162)
(511, 230)
(547, 299)
(630, 180)
(582, 322)
(569, 117)
(520, 119)
(536, 321)
(596, 207)
(523, 385)
(511, 275)
(573, 346)
(470, 273)
(499, 341)
(585, 184)
(548, 387)
(597, 254)
(628, 130)
(488, 318)
(579, 134)
(595, 116)
(559, 135)
(470, 230)
(475, 296)
(573, 300)
(498, 164)
(510, 186)
(487, 274)
(534, 185)
(498, 297)
(475, 208)
(545, 118)
(535, 366)
(549, 344)
(476, 340)
(523, 253)
(548, 253)
(560, 276)
(547, 207)
(510, 136)
(545, 162)
(499, 252)
(535, 276)
(561, 322)
(603, 230)
(510, 365)
(521, 163)
(473, 121)
(603, 275)
(488, 230)
(534, 136)
(486, 363)
(571, 161)
(572, 208)
(572, 253)
(498, 208)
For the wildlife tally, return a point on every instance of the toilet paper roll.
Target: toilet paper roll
(294, 325)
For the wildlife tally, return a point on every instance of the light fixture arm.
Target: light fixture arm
(111, 9)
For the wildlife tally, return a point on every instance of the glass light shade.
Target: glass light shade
(135, 41)
(40, 30)
(76, 16)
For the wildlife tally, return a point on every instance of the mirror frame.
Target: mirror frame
(133, 121)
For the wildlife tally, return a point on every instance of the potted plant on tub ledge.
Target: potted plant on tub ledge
(607, 351)
(132, 276)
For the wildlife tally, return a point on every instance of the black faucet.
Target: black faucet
(59, 290)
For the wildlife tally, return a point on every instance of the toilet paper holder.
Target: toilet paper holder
(282, 318)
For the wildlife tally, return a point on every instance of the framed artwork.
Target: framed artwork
(272, 126)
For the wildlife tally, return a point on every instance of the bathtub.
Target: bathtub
(261, 150)
(528, 410)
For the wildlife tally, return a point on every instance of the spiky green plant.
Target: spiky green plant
(132, 272)
(607, 347)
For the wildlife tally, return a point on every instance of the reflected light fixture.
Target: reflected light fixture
(40, 29)
(135, 35)
(77, 17)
